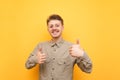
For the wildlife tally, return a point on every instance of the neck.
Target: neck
(56, 39)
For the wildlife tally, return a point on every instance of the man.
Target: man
(58, 57)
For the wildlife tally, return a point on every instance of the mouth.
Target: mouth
(54, 32)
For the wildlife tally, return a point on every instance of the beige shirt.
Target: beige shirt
(59, 63)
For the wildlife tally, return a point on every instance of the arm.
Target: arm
(32, 59)
(82, 60)
(84, 63)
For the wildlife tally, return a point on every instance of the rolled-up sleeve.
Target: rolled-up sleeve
(84, 63)
(32, 59)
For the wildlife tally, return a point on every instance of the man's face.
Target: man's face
(55, 28)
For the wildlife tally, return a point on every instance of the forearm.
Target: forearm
(31, 62)
(32, 59)
(84, 63)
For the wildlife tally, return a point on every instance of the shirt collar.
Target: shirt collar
(58, 43)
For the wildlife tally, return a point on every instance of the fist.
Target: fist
(75, 50)
(41, 57)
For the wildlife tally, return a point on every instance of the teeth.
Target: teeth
(55, 32)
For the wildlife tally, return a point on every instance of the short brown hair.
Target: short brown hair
(55, 17)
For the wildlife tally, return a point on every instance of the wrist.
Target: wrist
(81, 54)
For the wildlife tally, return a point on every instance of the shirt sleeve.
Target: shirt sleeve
(32, 59)
(84, 63)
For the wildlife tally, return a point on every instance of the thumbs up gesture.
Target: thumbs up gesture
(41, 57)
(76, 50)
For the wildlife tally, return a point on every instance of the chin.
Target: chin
(55, 36)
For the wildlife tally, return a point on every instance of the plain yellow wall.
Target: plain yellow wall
(95, 22)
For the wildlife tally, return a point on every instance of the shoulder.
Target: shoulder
(40, 44)
(68, 43)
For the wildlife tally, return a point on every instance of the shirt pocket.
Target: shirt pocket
(65, 62)
(63, 65)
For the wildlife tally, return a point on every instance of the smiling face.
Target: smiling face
(55, 28)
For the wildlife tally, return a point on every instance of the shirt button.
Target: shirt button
(52, 78)
(53, 58)
(52, 68)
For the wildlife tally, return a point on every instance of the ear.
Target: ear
(63, 27)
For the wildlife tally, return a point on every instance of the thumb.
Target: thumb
(78, 41)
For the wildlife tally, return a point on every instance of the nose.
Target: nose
(54, 27)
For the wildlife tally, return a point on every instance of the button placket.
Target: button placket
(54, 50)
(52, 69)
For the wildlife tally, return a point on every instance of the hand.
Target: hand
(41, 57)
(75, 50)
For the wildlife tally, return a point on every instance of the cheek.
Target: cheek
(49, 30)
(62, 28)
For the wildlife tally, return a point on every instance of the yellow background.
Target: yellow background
(95, 22)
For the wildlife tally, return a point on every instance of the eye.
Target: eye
(57, 25)
(50, 26)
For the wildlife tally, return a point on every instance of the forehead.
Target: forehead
(54, 22)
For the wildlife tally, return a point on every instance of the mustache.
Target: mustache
(55, 30)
